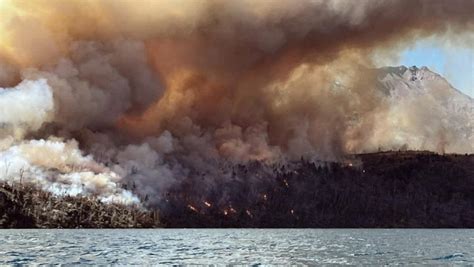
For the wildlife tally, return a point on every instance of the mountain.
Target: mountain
(397, 81)
(423, 111)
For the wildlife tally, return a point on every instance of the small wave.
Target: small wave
(20, 261)
(360, 254)
(449, 257)
(146, 247)
(370, 254)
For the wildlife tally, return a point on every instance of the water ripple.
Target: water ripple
(236, 246)
(451, 256)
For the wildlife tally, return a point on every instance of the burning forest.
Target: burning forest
(387, 190)
(220, 113)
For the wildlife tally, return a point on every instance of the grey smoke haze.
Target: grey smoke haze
(156, 91)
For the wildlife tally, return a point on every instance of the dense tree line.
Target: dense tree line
(390, 189)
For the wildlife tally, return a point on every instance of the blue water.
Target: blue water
(237, 246)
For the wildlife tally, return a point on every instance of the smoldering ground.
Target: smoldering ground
(100, 93)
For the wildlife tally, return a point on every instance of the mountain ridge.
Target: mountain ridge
(416, 73)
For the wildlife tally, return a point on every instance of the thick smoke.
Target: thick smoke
(25, 107)
(60, 167)
(98, 94)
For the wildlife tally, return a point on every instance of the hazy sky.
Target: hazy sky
(456, 64)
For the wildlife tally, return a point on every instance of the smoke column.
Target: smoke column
(96, 94)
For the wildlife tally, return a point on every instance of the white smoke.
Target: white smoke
(99, 96)
(25, 107)
(60, 167)
(92, 88)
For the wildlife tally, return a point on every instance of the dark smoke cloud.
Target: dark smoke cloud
(157, 91)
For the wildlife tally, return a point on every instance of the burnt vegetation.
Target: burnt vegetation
(389, 189)
(26, 206)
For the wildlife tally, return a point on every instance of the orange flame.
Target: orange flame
(191, 207)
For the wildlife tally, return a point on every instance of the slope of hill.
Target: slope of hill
(399, 81)
(388, 189)
(422, 112)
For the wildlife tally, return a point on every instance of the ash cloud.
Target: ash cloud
(155, 92)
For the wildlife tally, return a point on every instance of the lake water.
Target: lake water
(237, 246)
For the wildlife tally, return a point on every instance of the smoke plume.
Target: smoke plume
(98, 97)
